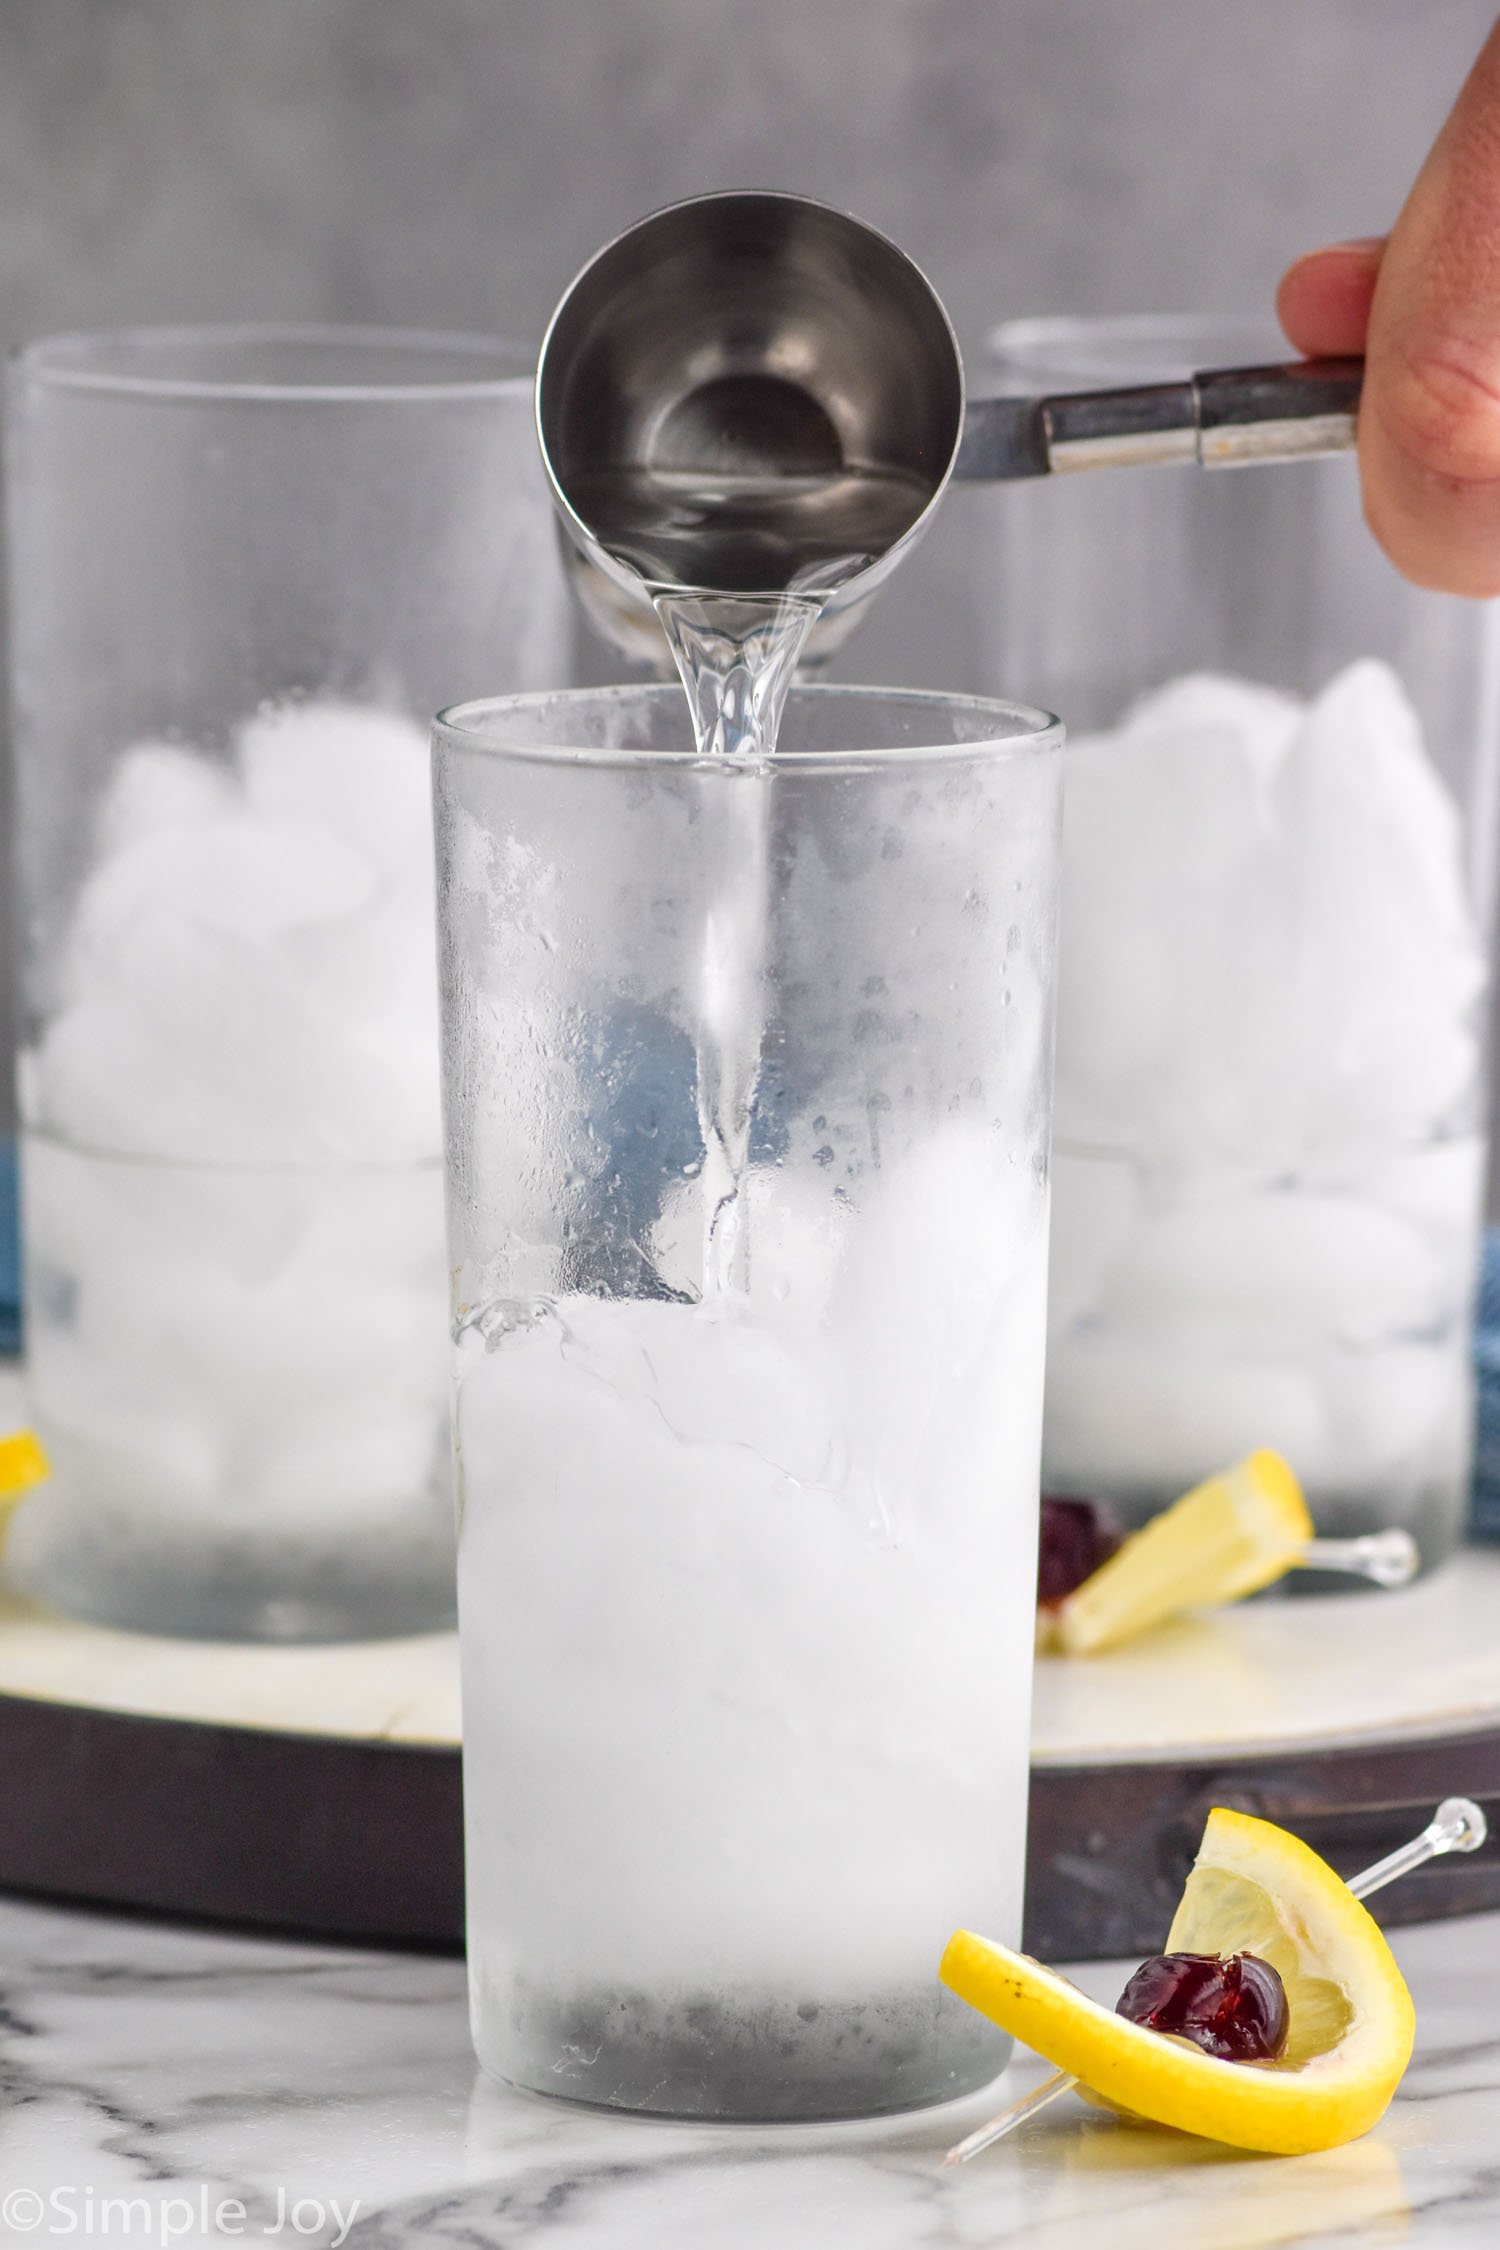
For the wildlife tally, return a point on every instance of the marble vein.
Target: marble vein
(183, 2068)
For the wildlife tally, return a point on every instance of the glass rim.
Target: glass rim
(1081, 344)
(459, 728)
(78, 360)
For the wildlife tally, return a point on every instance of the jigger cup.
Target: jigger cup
(737, 339)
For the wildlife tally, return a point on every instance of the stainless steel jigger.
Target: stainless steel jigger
(738, 344)
(755, 354)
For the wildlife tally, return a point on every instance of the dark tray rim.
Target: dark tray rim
(360, 1839)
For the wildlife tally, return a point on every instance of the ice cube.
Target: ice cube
(240, 1314)
(709, 1380)
(1267, 945)
(348, 773)
(1095, 1206)
(947, 1241)
(1390, 964)
(156, 786)
(198, 1047)
(255, 984)
(799, 1229)
(81, 1211)
(107, 1433)
(232, 874)
(1129, 1415)
(344, 1464)
(697, 1615)
(1252, 725)
(1169, 933)
(181, 1326)
(1399, 1416)
(1270, 975)
(1437, 1190)
(1280, 1273)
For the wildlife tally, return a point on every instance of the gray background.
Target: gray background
(451, 162)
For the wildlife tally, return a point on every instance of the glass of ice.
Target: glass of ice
(1279, 862)
(246, 567)
(747, 1535)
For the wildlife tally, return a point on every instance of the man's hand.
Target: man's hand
(1424, 308)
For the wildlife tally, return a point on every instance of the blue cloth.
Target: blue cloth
(10, 1253)
(1487, 1392)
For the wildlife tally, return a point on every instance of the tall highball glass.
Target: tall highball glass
(247, 565)
(1279, 862)
(747, 1552)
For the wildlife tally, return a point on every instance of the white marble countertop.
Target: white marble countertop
(165, 2085)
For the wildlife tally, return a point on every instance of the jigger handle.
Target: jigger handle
(1221, 418)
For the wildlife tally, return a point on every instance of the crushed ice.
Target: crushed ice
(1268, 1097)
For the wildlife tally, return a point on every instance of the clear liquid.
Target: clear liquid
(772, 550)
(736, 657)
(749, 534)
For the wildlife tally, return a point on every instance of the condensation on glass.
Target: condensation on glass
(747, 1555)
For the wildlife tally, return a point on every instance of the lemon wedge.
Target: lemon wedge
(1228, 1537)
(23, 1463)
(1256, 1889)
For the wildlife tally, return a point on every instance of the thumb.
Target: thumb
(1325, 298)
(1429, 422)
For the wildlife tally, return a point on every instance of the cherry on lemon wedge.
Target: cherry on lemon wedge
(1228, 1537)
(1254, 1889)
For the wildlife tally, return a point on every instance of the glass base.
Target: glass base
(235, 1588)
(740, 2059)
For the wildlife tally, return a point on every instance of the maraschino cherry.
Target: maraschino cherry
(1232, 2006)
(1077, 1536)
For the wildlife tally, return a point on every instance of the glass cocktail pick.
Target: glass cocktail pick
(1386, 1558)
(1458, 1825)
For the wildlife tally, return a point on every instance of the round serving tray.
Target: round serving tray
(319, 1789)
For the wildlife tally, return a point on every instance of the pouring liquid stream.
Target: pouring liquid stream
(739, 566)
(735, 655)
